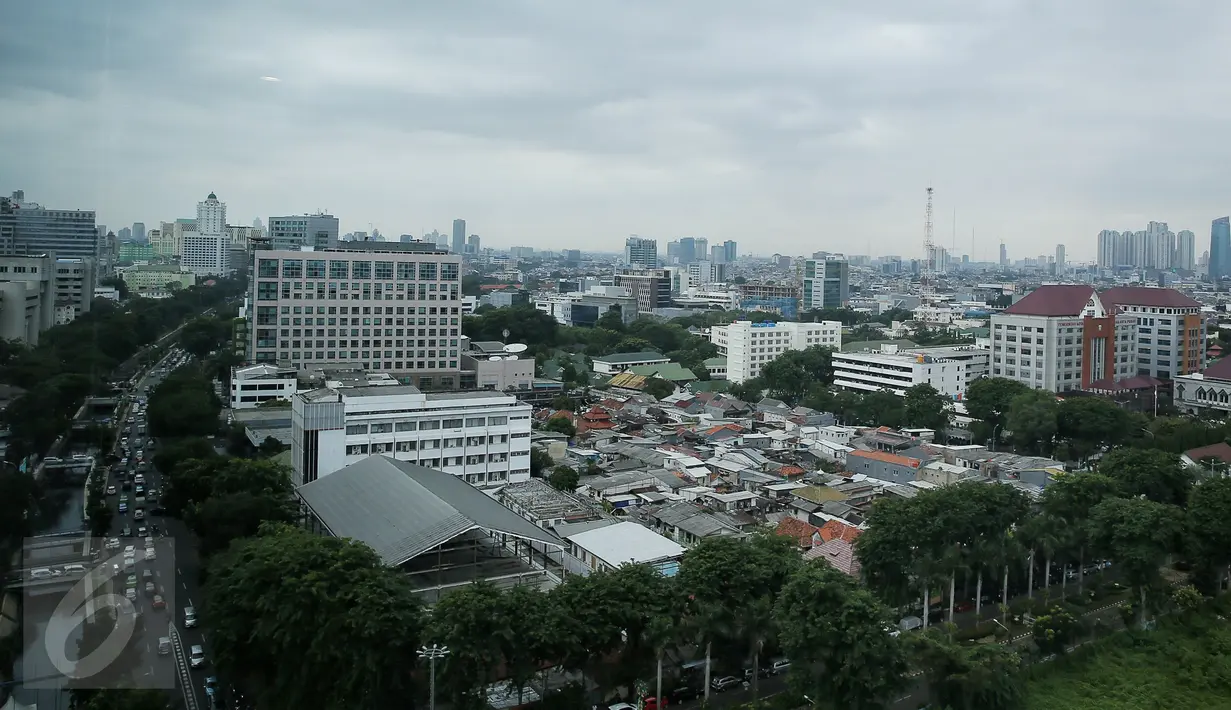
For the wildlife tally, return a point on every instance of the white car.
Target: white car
(113, 543)
(196, 658)
(190, 617)
(150, 555)
(131, 594)
(149, 543)
(130, 550)
(111, 490)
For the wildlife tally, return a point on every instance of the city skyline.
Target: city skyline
(557, 125)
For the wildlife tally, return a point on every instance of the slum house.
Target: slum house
(688, 524)
(547, 507)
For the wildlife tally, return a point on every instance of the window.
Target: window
(452, 424)
(361, 269)
(339, 270)
(384, 271)
(406, 426)
(356, 429)
(497, 421)
(427, 271)
(448, 272)
(316, 268)
(292, 268)
(267, 268)
(382, 428)
(476, 421)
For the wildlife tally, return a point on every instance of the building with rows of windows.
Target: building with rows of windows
(482, 437)
(383, 306)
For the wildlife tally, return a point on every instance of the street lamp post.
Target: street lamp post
(431, 653)
(994, 430)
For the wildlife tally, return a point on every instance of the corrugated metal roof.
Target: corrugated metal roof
(402, 510)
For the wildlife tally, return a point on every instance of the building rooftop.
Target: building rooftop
(1057, 300)
(626, 543)
(539, 499)
(402, 510)
(628, 358)
(1146, 296)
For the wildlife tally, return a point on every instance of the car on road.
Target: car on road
(683, 694)
(123, 507)
(150, 590)
(113, 543)
(149, 543)
(139, 514)
(131, 594)
(159, 602)
(196, 657)
(150, 554)
(725, 683)
(780, 666)
(621, 706)
(131, 581)
(126, 531)
(164, 645)
(190, 617)
(142, 531)
(111, 490)
(213, 699)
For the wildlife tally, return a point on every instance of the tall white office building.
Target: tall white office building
(826, 283)
(641, 252)
(1060, 262)
(1185, 250)
(750, 346)
(205, 250)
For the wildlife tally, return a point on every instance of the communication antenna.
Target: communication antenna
(929, 252)
(515, 348)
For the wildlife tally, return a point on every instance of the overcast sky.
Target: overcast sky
(787, 126)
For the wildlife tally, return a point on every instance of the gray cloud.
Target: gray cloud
(786, 125)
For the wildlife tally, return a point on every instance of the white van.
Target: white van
(41, 573)
(74, 569)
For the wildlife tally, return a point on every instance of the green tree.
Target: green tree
(1032, 419)
(1208, 538)
(989, 399)
(201, 336)
(304, 620)
(880, 408)
(119, 699)
(1054, 631)
(1160, 476)
(18, 508)
(1089, 423)
(470, 621)
(789, 376)
(1138, 534)
(659, 388)
(750, 390)
(963, 677)
(1071, 498)
(184, 404)
(564, 478)
(560, 425)
(836, 635)
(540, 461)
(925, 407)
(612, 320)
(176, 451)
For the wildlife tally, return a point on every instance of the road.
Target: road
(184, 574)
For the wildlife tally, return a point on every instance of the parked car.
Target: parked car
(780, 666)
(683, 694)
(725, 683)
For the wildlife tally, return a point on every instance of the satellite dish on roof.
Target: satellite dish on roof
(494, 358)
(510, 357)
(515, 348)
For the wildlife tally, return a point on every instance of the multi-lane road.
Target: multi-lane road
(179, 574)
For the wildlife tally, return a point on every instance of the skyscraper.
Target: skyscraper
(1004, 255)
(205, 249)
(1220, 248)
(1059, 259)
(124, 234)
(1108, 243)
(1185, 250)
(641, 252)
(729, 247)
(139, 231)
(473, 245)
(28, 228)
(718, 254)
(826, 283)
(459, 236)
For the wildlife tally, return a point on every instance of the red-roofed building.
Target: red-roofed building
(807, 535)
(1062, 338)
(594, 419)
(1170, 330)
(1208, 390)
(838, 530)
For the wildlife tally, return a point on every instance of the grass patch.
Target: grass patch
(1179, 665)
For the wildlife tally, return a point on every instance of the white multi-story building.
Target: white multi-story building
(205, 250)
(483, 437)
(383, 306)
(826, 283)
(898, 372)
(1063, 338)
(749, 346)
(255, 384)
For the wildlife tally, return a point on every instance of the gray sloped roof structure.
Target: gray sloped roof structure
(402, 510)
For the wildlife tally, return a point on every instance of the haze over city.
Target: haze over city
(794, 127)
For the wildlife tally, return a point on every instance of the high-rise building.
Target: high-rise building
(1004, 255)
(1185, 250)
(319, 231)
(473, 245)
(257, 223)
(750, 346)
(351, 288)
(138, 231)
(826, 283)
(651, 287)
(1060, 259)
(718, 254)
(125, 234)
(205, 250)
(730, 249)
(28, 228)
(706, 272)
(1108, 244)
(459, 236)
(640, 252)
(1220, 248)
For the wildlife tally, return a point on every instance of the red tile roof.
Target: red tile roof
(789, 470)
(798, 530)
(1146, 296)
(885, 457)
(1052, 301)
(838, 530)
(1220, 370)
(838, 553)
(1220, 451)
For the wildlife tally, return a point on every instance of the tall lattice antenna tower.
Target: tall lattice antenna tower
(927, 275)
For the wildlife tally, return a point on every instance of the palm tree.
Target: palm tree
(707, 623)
(754, 624)
(956, 557)
(660, 634)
